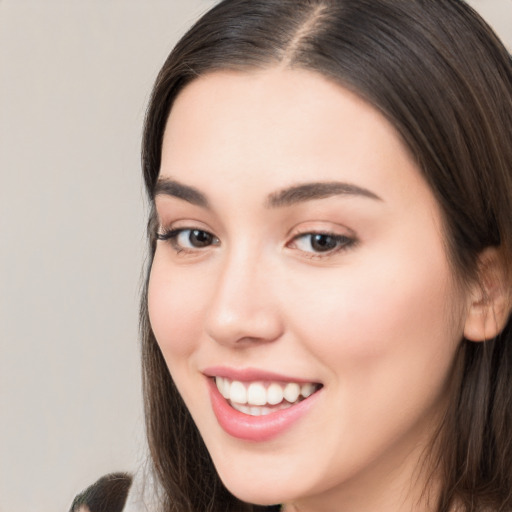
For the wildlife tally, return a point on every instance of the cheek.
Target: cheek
(386, 335)
(391, 311)
(175, 309)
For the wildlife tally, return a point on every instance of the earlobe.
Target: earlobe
(490, 303)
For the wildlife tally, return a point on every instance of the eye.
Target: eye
(321, 242)
(188, 239)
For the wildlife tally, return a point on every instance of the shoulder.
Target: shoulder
(108, 494)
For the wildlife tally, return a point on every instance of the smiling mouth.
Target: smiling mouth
(263, 398)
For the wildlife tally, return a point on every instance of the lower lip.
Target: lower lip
(256, 428)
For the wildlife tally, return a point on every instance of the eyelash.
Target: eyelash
(172, 236)
(341, 242)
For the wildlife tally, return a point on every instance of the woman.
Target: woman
(326, 316)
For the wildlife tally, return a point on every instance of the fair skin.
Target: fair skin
(349, 289)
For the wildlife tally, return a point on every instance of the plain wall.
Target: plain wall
(75, 77)
(74, 82)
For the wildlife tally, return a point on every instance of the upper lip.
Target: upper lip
(251, 375)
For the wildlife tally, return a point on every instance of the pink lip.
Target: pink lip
(250, 375)
(256, 428)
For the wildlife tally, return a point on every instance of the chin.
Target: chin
(256, 494)
(261, 489)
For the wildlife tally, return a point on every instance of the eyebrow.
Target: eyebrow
(285, 197)
(168, 187)
(320, 190)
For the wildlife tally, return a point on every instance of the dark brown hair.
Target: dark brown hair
(108, 494)
(442, 78)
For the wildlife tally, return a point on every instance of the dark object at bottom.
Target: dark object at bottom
(108, 494)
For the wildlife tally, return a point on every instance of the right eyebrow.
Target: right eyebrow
(169, 187)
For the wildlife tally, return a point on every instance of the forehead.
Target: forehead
(274, 109)
(282, 126)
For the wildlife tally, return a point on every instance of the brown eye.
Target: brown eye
(316, 243)
(198, 238)
(189, 239)
(322, 243)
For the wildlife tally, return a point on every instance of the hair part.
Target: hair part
(442, 78)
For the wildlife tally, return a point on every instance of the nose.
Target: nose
(244, 309)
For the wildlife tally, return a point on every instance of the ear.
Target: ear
(489, 297)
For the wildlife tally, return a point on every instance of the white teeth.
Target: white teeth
(257, 394)
(238, 393)
(307, 389)
(252, 411)
(224, 386)
(274, 394)
(291, 392)
(241, 408)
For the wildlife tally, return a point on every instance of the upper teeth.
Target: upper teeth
(259, 393)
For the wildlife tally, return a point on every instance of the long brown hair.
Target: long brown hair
(442, 78)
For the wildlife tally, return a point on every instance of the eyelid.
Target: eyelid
(171, 236)
(175, 223)
(326, 228)
(342, 243)
(344, 237)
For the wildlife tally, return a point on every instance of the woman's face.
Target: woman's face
(302, 268)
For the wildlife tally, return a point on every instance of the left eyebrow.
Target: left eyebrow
(319, 190)
(169, 187)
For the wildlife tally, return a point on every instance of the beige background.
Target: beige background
(74, 81)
